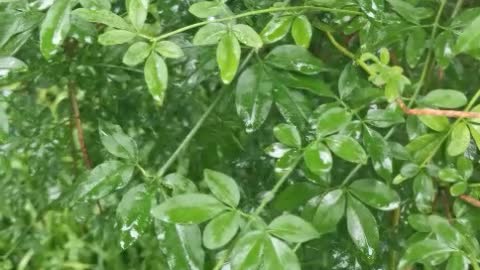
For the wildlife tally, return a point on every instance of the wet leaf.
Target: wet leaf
(294, 58)
(292, 229)
(116, 141)
(220, 230)
(169, 49)
(205, 9)
(55, 27)
(424, 251)
(302, 31)
(102, 16)
(468, 39)
(379, 152)
(136, 54)
(222, 186)
(278, 255)
(425, 193)
(247, 250)
(288, 135)
(459, 139)
(228, 57)
(347, 148)
(247, 35)
(376, 194)
(188, 209)
(445, 98)
(332, 121)
(137, 12)
(318, 158)
(156, 77)
(276, 29)
(330, 211)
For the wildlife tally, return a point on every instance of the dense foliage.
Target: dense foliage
(241, 134)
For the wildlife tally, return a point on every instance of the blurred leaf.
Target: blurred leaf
(318, 158)
(425, 193)
(156, 77)
(276, 29)
(136, 53)
(294, 196)
(288, 135)
(205, 9)
(210, 34)
(55, 27)
(278, 255)
(247, 35)
(379, 152)
(247, 250)
(445, 98)
(332, 121)
(423, 251)
(468, 39)
(459, 139)
(169, 49)
(102, 16)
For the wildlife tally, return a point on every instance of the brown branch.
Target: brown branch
(435, 112)
(446, 206)
(470, 200)
(78, 124)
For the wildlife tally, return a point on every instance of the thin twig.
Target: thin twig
(78, 124)
(470, 200)
(436, 112)
(446, 206)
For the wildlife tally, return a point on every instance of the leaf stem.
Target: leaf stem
(256, 12)
(348, 53)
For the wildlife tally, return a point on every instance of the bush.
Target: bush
(248, 134)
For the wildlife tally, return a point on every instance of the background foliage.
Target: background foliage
(239, 134)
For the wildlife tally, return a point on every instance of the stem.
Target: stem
(474, 262)
(199, 124)
(191, 134)
(78, 124)
(470, 200)
(256, 12)
(423, 76)
(348, 53)
(458, 6)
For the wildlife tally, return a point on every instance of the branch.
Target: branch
(436, 112)
(470, 200)
(78, 124)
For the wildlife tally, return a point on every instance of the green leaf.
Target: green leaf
(96, 4)
(425, 192)
(293, 105)
(457, 262)
(444, 48)
(419, 223)
(104, 179)
(437, 123)
(247, 251)
(318, 158)
(286, 163)
(136, 53)
(181, 245)
(295, 195)
(117, 142)
(294, 58)
(220, 230)
(278, 255)
(179, 184)
(302, 31)
(276, 29)
(188, 209)
(423, 251)
(458, 189)
(228, 57)
(55, 27)
(169, 49)
(210, 34)
(277, 150)
(445, 232)
(102, 16)
(415, 47)
(459, 139)
(205, 9)
(288, 135)
(362, 228)
(115, 37)
(133, 213)
(379, 151)
(253, 97)
(409, 12)
(469, 38)
(156, 77)
(313, 84)
(222, 186)
(376, 194)
(421, 147)
(464, 167)
(292, 229)
(137, 12)
(246, 35)
(445, 98)
(332, 121)
(449, 175)
(475, 134)
(8, 64)
(330, 211)
(349, 81)
(347, 148)
(374, 9)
